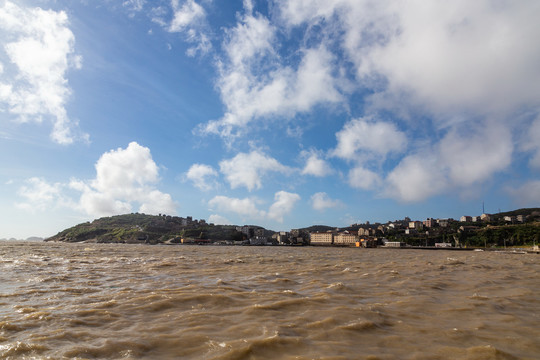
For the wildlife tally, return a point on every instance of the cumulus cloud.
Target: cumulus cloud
(479, 56)
(134, 5)
(124, 177)
(462, 70)
(365, 179)
(416, 178)
(531, 143)
(256, 84)
(315, 166)
(202, 176)
(40, 45)
(190, 19)
(458, 161)
(247, 208)
(39, 194)
(218, 220)
(247, 169)
(283, 205)
(475, 156)
(321, 201)
(366, 137)
(527, 194)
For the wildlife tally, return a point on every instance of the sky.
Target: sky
(282, 114)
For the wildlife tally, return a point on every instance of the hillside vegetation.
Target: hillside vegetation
(142, 228)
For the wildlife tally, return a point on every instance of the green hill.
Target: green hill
(141, 228)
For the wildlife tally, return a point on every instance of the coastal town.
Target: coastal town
(438, 233)
(515, 228)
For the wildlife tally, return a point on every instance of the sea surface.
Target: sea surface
(94, 301)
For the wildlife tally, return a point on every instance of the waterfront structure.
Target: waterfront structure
(345, 238)
(443, 245)
(394, 244)
(322, 238)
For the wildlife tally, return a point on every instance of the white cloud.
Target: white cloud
(531, 142)
(202, 176)
(365, 179)
(255, 83)
(134, 5)
(245, 207)
(315, 165)
(366, 137)
(39, 194)
(283, 205)
(41, 46)
(190, 19)
(478, 56)
(321, 201)
(247, 169)
(416, 178)
(460, 71)
(527, 195)
(474, 156)
(460, 160)
(124, 178)
(218, 220)
(185, 15)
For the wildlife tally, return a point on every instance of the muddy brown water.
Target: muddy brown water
(92, 301)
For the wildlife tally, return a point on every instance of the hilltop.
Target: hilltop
(142, 228)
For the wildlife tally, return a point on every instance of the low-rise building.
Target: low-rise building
(394, 244)
(366, 232)
(417, 225)
(429, 222)
(443, 222)
(465, 218)
(345, 238)
(486, 217)
(322, 238)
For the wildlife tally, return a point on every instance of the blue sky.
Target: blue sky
(278, 113)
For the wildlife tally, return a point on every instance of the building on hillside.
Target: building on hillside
(476, 219)
(510, 219)
(345, 238)
(322, 238)
(486, 217)
(417, 225)
(465, 218)
(429, 222)
(366, 232)
(443, 222)
(520, 218)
